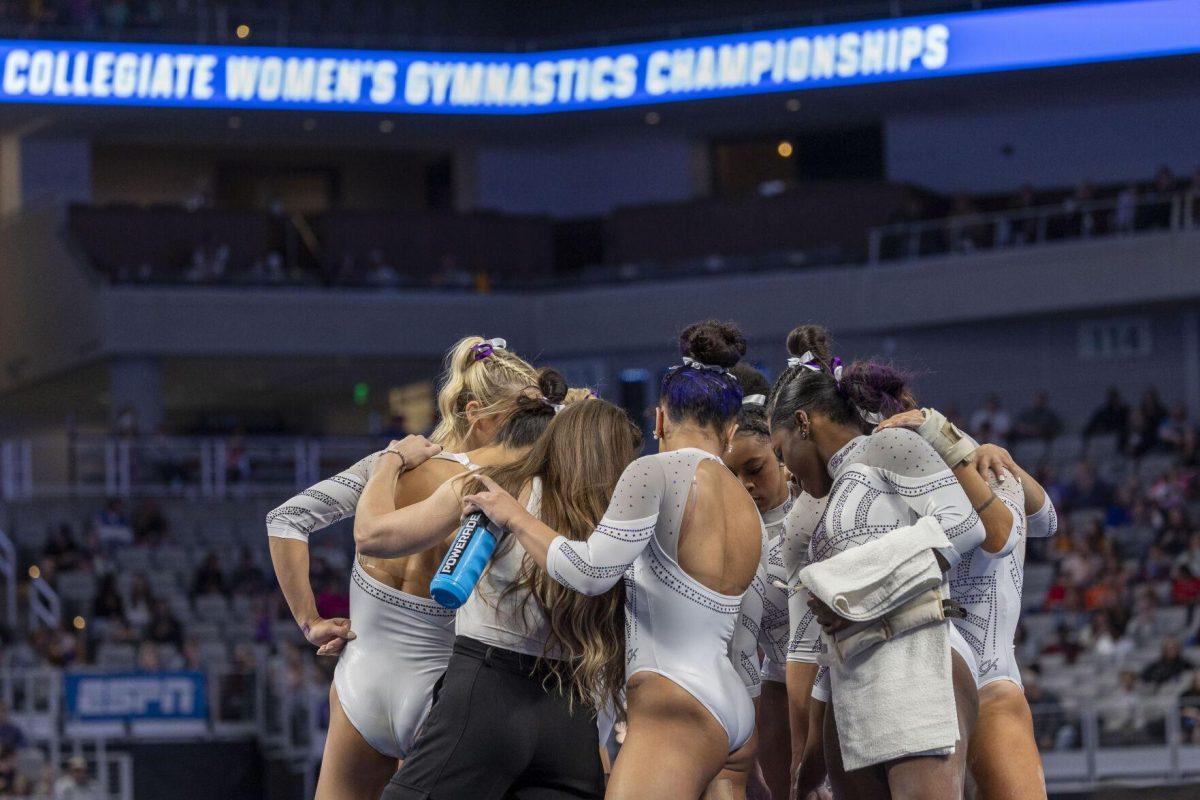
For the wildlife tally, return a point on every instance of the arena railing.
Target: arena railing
(176, 466)
(1091, 744)
(8, 574)
(34, 700)
(1070, 220)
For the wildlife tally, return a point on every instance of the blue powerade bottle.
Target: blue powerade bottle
(464, 562)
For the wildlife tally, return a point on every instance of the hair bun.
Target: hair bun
(711, 342)
(552, 385)
(810, 339)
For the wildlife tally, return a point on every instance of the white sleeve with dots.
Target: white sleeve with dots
(919, 477)
(593, 566)
(1044, 522)
(1012, 495)
(317, 507)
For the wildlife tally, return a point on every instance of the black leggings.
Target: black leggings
(495, 733)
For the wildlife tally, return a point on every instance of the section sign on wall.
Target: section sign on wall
(568, 80)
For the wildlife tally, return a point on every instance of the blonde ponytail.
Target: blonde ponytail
(494, 381)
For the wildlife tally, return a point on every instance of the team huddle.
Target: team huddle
(811, 590)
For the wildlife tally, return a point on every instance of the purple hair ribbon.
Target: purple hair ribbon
(487, 348)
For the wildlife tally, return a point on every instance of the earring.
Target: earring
(804, 433)
(655, 435)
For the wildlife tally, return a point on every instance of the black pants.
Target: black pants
(495, 733)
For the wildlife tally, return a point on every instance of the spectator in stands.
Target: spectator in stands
(333, 601)
(108, 604)
(125, 425)
(1189, 710)
(192, 657)
(164, 628)
(1153, 413)
(1123, 720)
(347, 271)
(1086, 490)
(1039, 421)
(1175, 532)
(1158, 565)
(966, 229)
(451, 275)
(1143, 629)
(1106, 641)
(1157, 213)
(12, 738)
(380, 273)
(237, 686)
(1168, 666)
(58, 647)
(1025, 228)
(62, 550)
(149, 523)
(237, 460)
(77, 784)
(248, 578)
(1186, 586)
(1064, 644)
(1110, 418)
(1190, 558)
(1125, 216)
(209, 578)
(112, 526)
(1177, 435)
(139, 609)
(1081, 220)
(990, 423)
(148, 659)
(1050, 726)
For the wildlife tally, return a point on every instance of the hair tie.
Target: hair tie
(806, 360)
(836, 364)
(556, 406)
(487, 348)
(688, 361)
(870, 417)
(754, 400)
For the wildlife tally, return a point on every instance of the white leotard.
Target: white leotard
(804, 641)
(675, 626)
(397, 633)
(989, 589)
(883, 482)
(774, 632)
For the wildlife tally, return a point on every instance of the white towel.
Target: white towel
(874, 579)
(896, 699)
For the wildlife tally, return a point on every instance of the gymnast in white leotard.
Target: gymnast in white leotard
(687, 540)
(1004, 758)
(752, 459)
(875, 485)
(395, 624)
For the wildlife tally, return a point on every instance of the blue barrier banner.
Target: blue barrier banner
(638, 74)
(96, 697)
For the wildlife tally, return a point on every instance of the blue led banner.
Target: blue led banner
(95, 697)
(639, 74)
